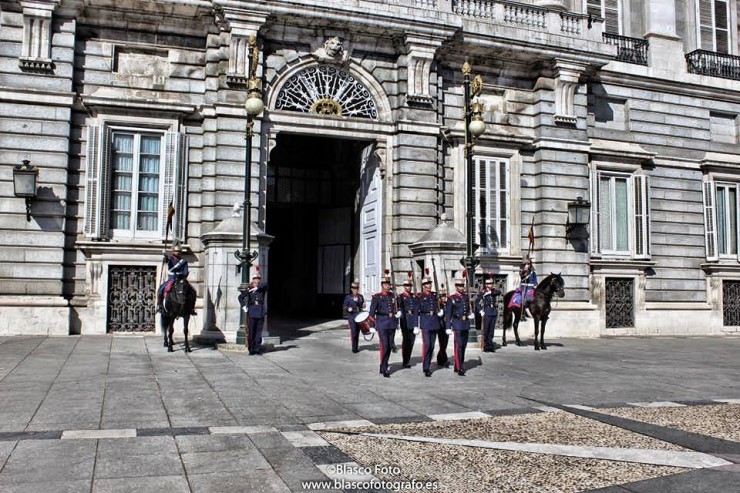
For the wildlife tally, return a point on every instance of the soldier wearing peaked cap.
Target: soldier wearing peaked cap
(353, 304)
(487, 306)
(408, 304)
(384, 310)
(252, 301)
(444, 332)
(429, 323)
(458, 317)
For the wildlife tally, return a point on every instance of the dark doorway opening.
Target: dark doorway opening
(312, 188)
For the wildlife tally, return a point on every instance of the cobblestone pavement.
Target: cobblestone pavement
(119, 413)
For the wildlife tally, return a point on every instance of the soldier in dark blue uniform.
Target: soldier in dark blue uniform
(353, 304)
(252, 301)
(384, 310)
(176, 266)
(444, 332)
(486, 305)
(429, 323)
(408, 303)
(458, 317)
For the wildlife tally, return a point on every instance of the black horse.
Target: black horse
(179, 302)
(539, 308)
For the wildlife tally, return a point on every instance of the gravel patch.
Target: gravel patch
(470, 470)
(555, 427)
(718, 421)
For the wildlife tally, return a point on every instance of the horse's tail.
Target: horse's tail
(508, 313)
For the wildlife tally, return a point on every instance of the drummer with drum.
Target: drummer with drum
(353, 304)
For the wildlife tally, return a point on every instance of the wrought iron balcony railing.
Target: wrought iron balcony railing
(714, 64)
(630, 50)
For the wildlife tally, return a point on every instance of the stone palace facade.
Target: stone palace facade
(357, 161)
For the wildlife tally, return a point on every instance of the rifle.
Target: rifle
(393, 287)
(411, 274)
(436, 282)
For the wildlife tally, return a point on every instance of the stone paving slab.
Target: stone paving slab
(210, 409)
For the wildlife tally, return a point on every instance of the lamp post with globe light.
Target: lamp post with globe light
(254, 106)
(474, 127)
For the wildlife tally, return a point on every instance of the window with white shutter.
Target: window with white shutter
(712, 25)
(726, 213)
(710, 228)
(620, 214)
(610, 11)
(492, 207)
(132, 177)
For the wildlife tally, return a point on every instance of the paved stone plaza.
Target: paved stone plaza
(102, 413)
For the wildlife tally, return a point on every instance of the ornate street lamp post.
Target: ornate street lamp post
(474, 127)
(246, 256)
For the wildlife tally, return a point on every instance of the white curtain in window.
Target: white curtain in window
(491, 197)
(620, 214)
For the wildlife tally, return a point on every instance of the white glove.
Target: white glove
(349, 309)
(398, 314)
(471, 316)
(416, 331)
(244, 309)
(448, 332)
(441, 313)
(482, 313)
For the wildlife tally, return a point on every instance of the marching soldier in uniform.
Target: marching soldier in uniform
(252, 301)
(444, 331)
(458, 317)
(408, 304)
(429, 323)
(385, 311)
(176, 266)
(486, 304)
(354, 303)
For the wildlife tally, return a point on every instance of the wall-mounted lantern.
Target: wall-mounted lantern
(579, 213)
(24, 183)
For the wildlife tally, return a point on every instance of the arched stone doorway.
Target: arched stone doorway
(323, 209)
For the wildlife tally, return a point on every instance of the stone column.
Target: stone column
(222, 280)
(666, 49)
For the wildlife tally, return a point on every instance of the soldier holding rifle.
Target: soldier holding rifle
(458, 316)
(408, 304)
(444, 331)
(428, 321)
(487, 308)
(384, 310)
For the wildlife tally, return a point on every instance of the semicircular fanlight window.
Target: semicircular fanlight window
(327, 90)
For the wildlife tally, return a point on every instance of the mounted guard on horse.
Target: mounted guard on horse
(527, 283)
(176, 267)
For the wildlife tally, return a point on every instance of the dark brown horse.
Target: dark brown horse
(538, 306)
(179, 303)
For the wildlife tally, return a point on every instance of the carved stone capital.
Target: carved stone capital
(567, 75)
(420, 56)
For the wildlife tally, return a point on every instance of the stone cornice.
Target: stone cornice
(721, 90)
(34, 96)
(159, 105)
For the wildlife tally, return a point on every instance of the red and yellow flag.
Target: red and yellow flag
(530, 235)
(170, 214)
